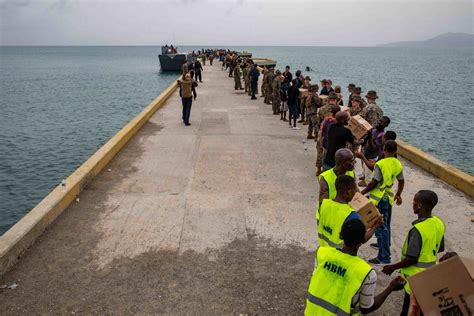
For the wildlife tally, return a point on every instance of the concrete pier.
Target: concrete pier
(214, 218)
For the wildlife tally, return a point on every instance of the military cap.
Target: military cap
(357, 98)
(358, 90)
(332, 96)
(372, 94)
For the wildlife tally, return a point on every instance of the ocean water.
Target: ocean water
(58, 105)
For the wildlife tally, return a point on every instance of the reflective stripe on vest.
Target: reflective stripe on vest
(330, 178)
(336, 280)
(329, 242)
(431, 231)
(326, 305)
(390, 168)
(332, 215)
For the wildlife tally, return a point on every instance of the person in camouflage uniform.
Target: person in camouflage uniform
(356, 106)
(305, 84)
(204, 57)
(268, 86)
(312, 104)
(372, 112)
(323, 113)
(357, 91)
(276, 97)
(211, 58)
(246, 75)
(237, 76)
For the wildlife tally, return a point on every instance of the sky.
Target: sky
(231, 22)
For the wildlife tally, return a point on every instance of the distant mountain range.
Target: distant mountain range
(443, 40)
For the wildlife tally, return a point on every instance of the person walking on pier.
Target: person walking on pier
(187, 90)
(343, 283)
(197, 70)
(303, 84)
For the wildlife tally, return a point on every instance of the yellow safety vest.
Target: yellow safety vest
(431, 231)
(331, 218)
(330, 178)
(390, 168)
(335, 282)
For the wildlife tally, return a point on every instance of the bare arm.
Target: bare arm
(372, 185)
(395, 285)
(398, 195)
(323, 190)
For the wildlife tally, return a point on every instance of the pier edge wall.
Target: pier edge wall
(446, 172)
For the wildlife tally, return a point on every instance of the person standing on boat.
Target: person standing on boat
(187, 89)
(197, 70)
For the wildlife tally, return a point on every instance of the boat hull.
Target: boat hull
(173, 62)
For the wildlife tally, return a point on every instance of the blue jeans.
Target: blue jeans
(383, 233)
(187, 102)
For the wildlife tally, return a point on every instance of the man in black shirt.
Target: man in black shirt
(338, 137)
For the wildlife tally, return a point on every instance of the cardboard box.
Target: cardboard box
(446, 289)
(345, 108)
(367, 210)
(358, 126)
(303, 93)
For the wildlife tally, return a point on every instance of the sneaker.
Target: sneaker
(310, 137)
(377, 261)
(187, 124)
(296, 127)
(374, 245)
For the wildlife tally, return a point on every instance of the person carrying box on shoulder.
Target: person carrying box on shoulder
(422, 244)
(380, 191)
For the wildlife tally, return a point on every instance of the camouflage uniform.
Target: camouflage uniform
(203, 57)
(264, 80)
(372, 113)
(276, 97)
(268, 87)
(323, 113)
(211, 59)
(312, 104)
(237, 75)
(246, 75)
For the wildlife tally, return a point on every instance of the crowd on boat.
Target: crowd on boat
(343, 283)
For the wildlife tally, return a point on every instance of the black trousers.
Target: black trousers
(406, 305)
(187, 103)
(253, 85)
(198, 76)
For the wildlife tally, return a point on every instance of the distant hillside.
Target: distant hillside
(443, 40)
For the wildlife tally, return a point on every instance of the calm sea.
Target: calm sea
(58, 105)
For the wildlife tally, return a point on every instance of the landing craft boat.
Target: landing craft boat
(171, 60)
(264, 62)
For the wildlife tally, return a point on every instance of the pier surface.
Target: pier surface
(214, 218)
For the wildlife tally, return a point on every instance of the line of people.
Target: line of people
(343, 283)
